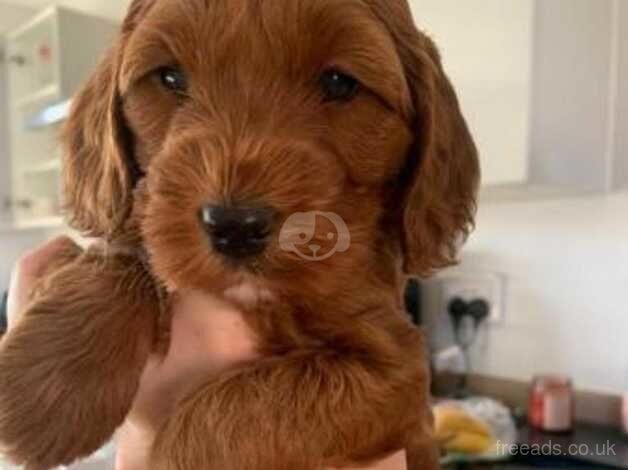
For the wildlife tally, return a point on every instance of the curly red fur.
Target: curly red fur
(345, 377)
(70, 367)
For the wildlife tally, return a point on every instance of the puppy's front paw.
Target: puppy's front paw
(70, 368)
(227, 425)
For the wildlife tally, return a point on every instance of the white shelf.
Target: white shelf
(47, 93)
(525, 192)
(46, 167)
(47, 223)
(49, 116)
(40, 223)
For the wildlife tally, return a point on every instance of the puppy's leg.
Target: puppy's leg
(306, 410)
(70, 368)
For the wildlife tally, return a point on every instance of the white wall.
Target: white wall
(567, 293)
(487, 51)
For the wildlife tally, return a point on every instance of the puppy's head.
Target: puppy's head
(284, 142)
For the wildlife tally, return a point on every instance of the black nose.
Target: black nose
(238, 232)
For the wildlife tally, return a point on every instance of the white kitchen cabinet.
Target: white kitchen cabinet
(541, 83)
(49, 57)
(620, 144)
(486, 46)
(579, 136)
(5, 169)
(10, 15)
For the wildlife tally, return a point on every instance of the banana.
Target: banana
(459, 432)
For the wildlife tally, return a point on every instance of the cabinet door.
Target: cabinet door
(33, 88)
(5, 171)
(620, 150)
(574, 93)
(487, 51)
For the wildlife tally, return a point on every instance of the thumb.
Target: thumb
(30, 269)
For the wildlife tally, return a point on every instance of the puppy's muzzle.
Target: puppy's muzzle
(238, 232)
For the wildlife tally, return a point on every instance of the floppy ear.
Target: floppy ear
(443, 179)
(441, 176)
(99, 169)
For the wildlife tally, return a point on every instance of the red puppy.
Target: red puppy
(296, 157)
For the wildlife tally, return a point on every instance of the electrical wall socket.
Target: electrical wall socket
(475, 285)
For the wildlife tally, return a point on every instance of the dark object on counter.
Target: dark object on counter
(477, 310)
(413, 300)
(3, 314)
(466, 319)
(551, 407)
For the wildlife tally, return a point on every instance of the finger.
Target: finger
(207, 337)
(34, 262)
(28, 270)
(155, 397)
(394, 462)
(209, 332)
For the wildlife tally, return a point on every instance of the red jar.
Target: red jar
(551, 405)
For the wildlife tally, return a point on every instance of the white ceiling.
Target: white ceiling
(114, 9)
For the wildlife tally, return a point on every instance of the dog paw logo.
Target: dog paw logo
(299, 235)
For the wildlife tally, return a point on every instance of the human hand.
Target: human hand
(29, 269)
(209, 336)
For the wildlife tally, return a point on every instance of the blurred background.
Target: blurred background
(541, 291)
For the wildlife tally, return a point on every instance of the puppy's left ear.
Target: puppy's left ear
(441, 177)
(442, 170)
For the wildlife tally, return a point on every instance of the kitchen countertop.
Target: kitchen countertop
(589, 446)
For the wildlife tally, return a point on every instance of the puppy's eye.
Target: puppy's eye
(173, 79)
(338, 86)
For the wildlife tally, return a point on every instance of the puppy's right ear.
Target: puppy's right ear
(99, 168)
